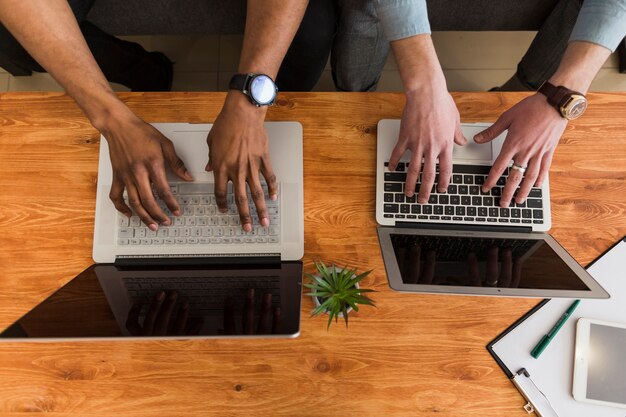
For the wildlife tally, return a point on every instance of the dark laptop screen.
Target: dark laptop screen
(107, 301)
(482, 262)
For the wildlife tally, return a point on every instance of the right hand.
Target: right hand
(430, 123)
(138, 155)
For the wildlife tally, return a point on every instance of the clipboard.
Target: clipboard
(546, 383)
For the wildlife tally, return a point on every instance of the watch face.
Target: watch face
(263, 89)
(575, 108)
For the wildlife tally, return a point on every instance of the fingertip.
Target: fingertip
(265, 222)
(153, 227)
(247, 227)
(478, 138)
(274, 197)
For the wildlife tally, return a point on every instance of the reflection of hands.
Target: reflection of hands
(508, 276)
(138, 153)
(238, 151)
(534, 132)
(158, 317)
(268, 321)
(410, 268)
(430, 124)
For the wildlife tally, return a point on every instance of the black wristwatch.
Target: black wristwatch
(260, 88)
(569, 103)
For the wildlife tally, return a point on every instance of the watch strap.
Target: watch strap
(238, 82)
(557, 96)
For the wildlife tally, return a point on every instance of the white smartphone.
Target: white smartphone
(600, 363)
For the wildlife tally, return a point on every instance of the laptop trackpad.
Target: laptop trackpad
(473, 151)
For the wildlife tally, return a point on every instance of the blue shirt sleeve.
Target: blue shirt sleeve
(602, 22)
(401, 19)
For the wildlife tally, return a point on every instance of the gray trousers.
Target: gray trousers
(360, 49)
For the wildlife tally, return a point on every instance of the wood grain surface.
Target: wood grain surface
(416, 355)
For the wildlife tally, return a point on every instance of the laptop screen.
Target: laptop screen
(106, 301)
(482, 262)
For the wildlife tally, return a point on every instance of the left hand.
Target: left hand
(534, 129)
(239, 151)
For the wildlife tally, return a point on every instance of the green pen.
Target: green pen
(545, 340)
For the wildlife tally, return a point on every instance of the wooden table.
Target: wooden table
(412, 355)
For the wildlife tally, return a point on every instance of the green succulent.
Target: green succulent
(337, 291)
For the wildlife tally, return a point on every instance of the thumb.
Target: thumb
(176, 164)
(459, 137)
(492, 131)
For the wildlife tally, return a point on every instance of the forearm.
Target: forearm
(270, 28)
(418, 63)
(579, 66)
(48, 30)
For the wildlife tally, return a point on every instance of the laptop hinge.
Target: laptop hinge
(465, 227)
(198, 260)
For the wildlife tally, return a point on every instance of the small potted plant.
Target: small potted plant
(337, 292)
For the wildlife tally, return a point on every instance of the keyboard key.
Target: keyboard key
(516, 213)
(471, 211)
(427, 209)
(125, 233)
(466, 200)
(526, 213)
(405, 208)
(488, 201)
(477, 201)
(479, 179)
(474, 190)
(438, 209)
(412, 199)
(493, 212)
(460, 211)
(455, 200)
(463, 189)
(504, 212)
(399, 198)
(395, 176)
(534, 203)
(535, 193)
(393, 187)
(457, 179)
(468, 179)
(537, 214)
(391, 208)
(444, 199)
(482, 211)
(416, 209)
(432, 199)
(452, 189)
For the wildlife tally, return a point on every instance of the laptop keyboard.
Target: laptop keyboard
(200, 222)
(203, 293)
(464, 200)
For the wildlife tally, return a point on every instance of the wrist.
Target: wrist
(110, 115)
(237, 101)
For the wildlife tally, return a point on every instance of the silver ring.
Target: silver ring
(519, 168)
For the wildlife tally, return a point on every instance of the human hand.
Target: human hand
(138, 153)
(158, 317)
(238, 151)
(534, 130)
(430, 123)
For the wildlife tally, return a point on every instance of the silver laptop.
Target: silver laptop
(201, 231)
(462, 242)
(226, 282)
